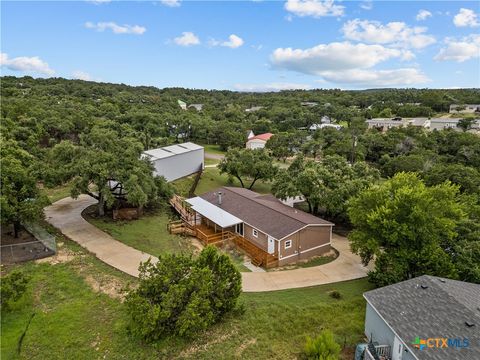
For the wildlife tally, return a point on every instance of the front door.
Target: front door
(397, 350)
(271, 245)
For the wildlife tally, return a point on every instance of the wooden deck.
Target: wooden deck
(208, 235)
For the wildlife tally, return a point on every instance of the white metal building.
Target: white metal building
(176, 161)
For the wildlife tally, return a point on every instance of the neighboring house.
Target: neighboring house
(464, 109)
(197, 107)
(253, 109)
(176, 161)
(385, 123)
(258, 141)
(443, 123)
(285, 233)
(182, 104)
(407, 318)
(315, 127)
(309, 103)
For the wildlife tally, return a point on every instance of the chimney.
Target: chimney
(219, 198)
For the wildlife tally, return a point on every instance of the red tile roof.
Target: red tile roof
(264, 137)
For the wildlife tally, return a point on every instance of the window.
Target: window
(255, 232)
(288, 244)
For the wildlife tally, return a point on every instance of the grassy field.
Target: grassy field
(78, 315)
(213, 149)
(148, 234)
(57, 193)
(212, 179)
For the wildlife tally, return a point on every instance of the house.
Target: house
(182, 104)
(385, 123)
(197, 107)
(253, 109)
(309, 103)
(262, 222)
(424, 318)
(176, 161)
(443, 123)
(464, 109)
(315, 127)
(258, 141)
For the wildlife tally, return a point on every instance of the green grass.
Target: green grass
(72, 321)
(213, 149)
(57, 193)
(211, 161)
(148, 234)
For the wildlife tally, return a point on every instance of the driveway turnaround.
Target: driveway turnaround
(66, 215)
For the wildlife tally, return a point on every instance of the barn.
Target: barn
(176, 161)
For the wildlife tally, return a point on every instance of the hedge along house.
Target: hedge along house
(176, 161)
(280, 232)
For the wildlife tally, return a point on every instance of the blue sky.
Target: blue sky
(246, 45)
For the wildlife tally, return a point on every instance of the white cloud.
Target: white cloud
(395, 33)
(367, 5)
(314, 8)
(460, 50)
(423, 15)
(376, 78)
(334, 57)
(187, 39)
(115, 28)
(466, 17)
(26, 64)
(233, 42)
(171, 3)
(81, 75)
(275, 86)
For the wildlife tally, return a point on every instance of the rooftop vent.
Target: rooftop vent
(469, 324)
(424, 287)
(441, 280)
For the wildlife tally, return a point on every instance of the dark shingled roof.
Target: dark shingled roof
(432, 307)
(264, 212)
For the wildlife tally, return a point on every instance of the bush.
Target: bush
(335, 294)
(13, 287)
(323, 347)
(182, 296)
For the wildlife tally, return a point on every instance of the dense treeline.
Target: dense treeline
(57, 130)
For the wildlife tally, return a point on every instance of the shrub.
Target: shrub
(13, 287)
(182, 296)
(335, 294)
(323, 347)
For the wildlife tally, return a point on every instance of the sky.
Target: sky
(246, 45)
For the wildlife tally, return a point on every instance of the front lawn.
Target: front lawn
(148, 234)
(75, 320)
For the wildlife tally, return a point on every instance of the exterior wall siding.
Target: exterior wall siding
(180, 165)
(302, 241)
(262, 239)
(255, 144)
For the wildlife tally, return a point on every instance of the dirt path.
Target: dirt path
(66, 215)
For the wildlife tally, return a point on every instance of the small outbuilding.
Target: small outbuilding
(176, 161)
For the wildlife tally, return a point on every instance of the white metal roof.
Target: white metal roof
(171, 150)
(212, 212)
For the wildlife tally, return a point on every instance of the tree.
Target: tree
(12, 288)
(245, 163)
(407, 227)
(20, 199)
(468, 178)
(323, 347)
(182, 296)
(280, 146)
(466, 123)
(327, 184)
(102, 156)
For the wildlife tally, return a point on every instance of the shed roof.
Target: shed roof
(263, 137)
(264, 212)
(429, 306)
(167, 151)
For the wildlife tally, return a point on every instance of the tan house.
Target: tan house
(277, 233)
(258, 141)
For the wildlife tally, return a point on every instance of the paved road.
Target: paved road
(66, 215)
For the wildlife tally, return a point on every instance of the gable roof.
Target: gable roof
(167, 151)
(263, 137)
(429, 306)
(264, 212)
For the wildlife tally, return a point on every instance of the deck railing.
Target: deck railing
(383, 352)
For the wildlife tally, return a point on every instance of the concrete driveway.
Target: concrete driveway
(66, 215)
